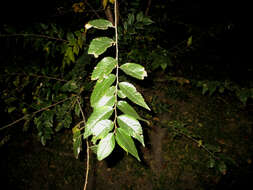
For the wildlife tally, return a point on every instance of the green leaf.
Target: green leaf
(98, 114)
(77, 110)
(127, 109)
(11, 109)
(100, 89)
(103, 68)
(130, 91)
(211, 163)
(108, 99)
(69, 86)
(99, 45)
(77, 141)
(126, 142)
(101, 24)
(132, 126)
(106, 146)
(134, 70)
(102, 128)
(121, 94)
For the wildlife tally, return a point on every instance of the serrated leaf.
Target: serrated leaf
(99, 45)
(132, 126)
(98, 114)
(134, 70)
(121, 94)
(126, 142)
(127, 109)
(102, 128)
(130, 91)
(101, 24)
(100, 88)
(77, 141)
(103, 68)
(108, 99)
(106, 146)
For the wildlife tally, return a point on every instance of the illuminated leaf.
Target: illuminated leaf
(100, 89)
(134, 70)
(132, 126)
(77, 141)
(99, 45)
(108, 99)
(126, 142)
(106, 146)
(130, 91)
(101, 24)
(98, 114)
(103, 68)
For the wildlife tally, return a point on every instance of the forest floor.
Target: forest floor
(194, 142)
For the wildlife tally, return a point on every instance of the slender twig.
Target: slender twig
(38, 76)
(87, 150)
(197, 142)
(117, 58)
(93, 10)
(34, 113)
(33, 36)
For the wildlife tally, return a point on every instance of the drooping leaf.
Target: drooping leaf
(98, 114)
(106, 146)
(134, 70)
(130, 91)
(103, 68)
(108, 99)
(101, 24)
(132, 126)
(126, 142)
(100, 89)
(102, 128)
(99, 45)
(77, 141)
(127, 109)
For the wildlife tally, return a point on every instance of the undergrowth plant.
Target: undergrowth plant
(113, 119)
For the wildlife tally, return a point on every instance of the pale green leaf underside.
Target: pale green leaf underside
(106, 146)
(99, 45)
(131, 126)
(108, 99)
(98, 114)
(101, 24)
(130, 91)
(100, 89)
(103, 68)
(126, 142)
(102, 128)
(134, 70)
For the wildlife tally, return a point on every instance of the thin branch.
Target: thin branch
(34, 113)
(93, 10)
(33, 36)
(38, 76)
(197, 142)
(116, 57)
(87, 150)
